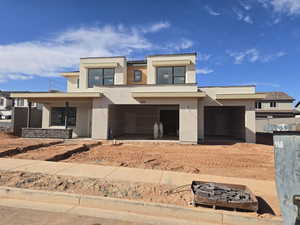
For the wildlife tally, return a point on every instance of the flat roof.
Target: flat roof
(175, 54)
(56, 95)
(168, 94)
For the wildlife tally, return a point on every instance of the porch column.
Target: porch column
(100, 118)
(29, 114)
(188, 121)
(66, 114)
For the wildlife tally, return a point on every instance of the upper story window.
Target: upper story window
(258, 105)
(170, 75)
(273, 104)
(100, 77)
(1, 101)
(137, 75)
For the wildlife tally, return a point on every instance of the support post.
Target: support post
(29, 114)
(66, 114)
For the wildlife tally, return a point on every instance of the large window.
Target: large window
(1, 101)
(20, 102)
(100, 77)
(170, 75)
(58, 116)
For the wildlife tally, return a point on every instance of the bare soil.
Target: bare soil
(244, 160)
(89, 186)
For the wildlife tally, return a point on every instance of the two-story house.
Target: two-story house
(112, 97)
(6, 104)
(275, 105)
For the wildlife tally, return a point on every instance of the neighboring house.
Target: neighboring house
(110, 97)
(6, 104)
(275, 105)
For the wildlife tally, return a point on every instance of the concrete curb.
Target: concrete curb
(145, 208)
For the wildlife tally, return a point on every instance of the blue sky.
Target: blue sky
(238, 41)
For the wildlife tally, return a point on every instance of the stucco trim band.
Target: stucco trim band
(168, 94)
(57, 95)
(171, 62)
(240, 96)
(100, 65)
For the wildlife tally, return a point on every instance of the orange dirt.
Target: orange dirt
(237, 160)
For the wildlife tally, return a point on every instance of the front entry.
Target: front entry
(170, 121)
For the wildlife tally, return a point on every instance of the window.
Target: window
(100, 77)
(58, 116)
(273, 104)
(19, 102)
(1, 101)
(77, 82)
(137, 75)
(170, 75)
(258, 105)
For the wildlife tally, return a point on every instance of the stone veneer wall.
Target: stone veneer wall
(46, 133)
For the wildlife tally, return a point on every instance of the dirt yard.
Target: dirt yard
(238, 160)
(88, 186)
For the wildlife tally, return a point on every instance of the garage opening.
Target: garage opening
(224, 124)
(136, 122)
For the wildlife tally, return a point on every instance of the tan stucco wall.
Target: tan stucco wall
(72, 84)
(83, 117)
(210, 100)
(190, 69)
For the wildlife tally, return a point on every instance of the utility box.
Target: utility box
(287, 165)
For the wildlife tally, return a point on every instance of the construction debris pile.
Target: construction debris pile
(216, 192)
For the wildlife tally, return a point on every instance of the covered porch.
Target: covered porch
(65, 115)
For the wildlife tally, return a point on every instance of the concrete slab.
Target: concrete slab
(46, 167)
(14, 164)
(136, 175)
(83, 170)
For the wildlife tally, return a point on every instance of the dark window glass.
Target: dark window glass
(273, 104)
(77, 82)
(137, 75)
(58, 116)
(1, 101)
(171, 75)
(164, 75)
(258, 105)
(100, 77)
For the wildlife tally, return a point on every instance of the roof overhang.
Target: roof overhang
(168, 94)
(101, 65)
(171, 62)
(70, 74)
(253, 96)
(57, 96)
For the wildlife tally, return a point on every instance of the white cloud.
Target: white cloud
(253, 55)
(290, 7)
(242, 17)
(203, 57)
(245, 5)
(157, 27)
(211, 11)
(62, 51)
(182, 44)
(204, 71)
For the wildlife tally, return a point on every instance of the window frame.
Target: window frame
(102, 76)
(173, 74)
(62, 122)
(134, 76)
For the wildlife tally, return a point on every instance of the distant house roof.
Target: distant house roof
(277, 96)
